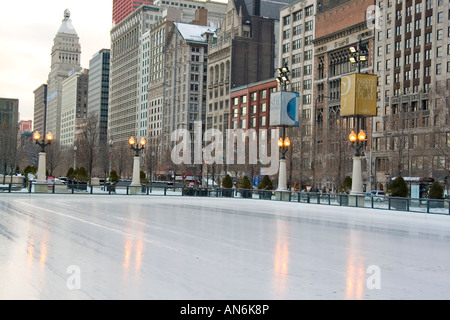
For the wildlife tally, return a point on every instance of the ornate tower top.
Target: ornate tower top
(66, 14)
(66, 26)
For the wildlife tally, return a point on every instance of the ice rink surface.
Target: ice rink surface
(156, 247)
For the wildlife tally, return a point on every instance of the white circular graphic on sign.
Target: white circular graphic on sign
(347, 83)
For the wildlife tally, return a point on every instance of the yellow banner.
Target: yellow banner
(359, 95)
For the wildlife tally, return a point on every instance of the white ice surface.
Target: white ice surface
(155, 247)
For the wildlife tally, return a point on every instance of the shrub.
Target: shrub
(143, 177)
(70, 174)
(346, 185)
(81, 175)
(245, 183)
(113, 177)
(29, 169)
(227, 182)
(436, 191)
(398, 188)
(265, 184)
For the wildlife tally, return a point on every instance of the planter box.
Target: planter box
(246, 193)
(227, 193)
(266, 195)
(188, 192)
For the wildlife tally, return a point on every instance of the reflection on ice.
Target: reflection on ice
(356, 278)
(281, 258)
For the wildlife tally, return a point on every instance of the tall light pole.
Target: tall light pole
(358, 55)
(110, 143)
(41, 173)
(284, 142)
(75, 157)
(136, 147)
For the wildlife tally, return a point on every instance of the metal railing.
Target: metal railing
(424, 205)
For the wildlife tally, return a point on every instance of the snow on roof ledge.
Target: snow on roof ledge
(192, 32)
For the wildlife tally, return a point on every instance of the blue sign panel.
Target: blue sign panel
(284, 108)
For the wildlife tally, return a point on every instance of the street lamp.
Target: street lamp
(284, 142)
(358, 54)
(43, 144)
(283, 76)
(357, 141)
(41, 174)
(136, 147)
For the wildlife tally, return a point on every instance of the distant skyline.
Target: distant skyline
(27, 30)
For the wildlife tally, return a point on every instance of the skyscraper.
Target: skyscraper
(126, 72)
(73, 107)
(98, 92)
(411, 135)
(66, 54)
(40, 108)
(122, 8)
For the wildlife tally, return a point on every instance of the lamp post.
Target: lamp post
(41, 174)
(110, 144)
(75, 157)
(358, 54)
(284, 142)
(136, 147)
(357, 141)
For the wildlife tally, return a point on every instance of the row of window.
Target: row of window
(252, 123)
(298, 15)
(438, 163)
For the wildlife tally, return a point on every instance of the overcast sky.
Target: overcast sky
(27, 30)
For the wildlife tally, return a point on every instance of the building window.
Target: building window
(263, 107)
(309, 11)
(298, 15)
(262, 121)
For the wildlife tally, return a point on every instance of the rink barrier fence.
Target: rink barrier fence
(424, 205)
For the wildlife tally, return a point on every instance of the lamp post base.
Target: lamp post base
(282, 182)
(135, 189)
(136, 182)
(357, 183)
(40, 186)
(41, 176)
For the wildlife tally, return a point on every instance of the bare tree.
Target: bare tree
(88, 144)
(103, 160)
(121, 157)
(9, 148)
(54, 156)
